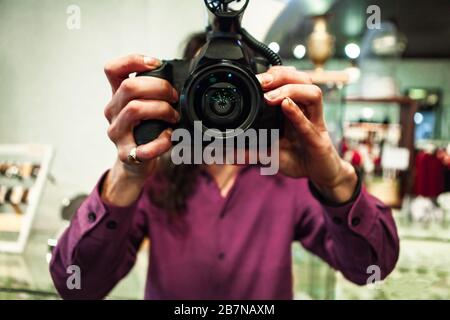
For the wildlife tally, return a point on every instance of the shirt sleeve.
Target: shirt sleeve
(351, 237)
(101, 242)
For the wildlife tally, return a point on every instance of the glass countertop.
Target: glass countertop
(26, 276)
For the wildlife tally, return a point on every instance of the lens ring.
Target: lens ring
(245, 82)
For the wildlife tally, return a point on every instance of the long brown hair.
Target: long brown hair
(177, 181)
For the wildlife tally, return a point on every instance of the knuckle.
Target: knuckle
(316, 92)
(158, 109)
(292, 76)
(112, 132)
(288, 89)
(287, 69)
(284, 76)
(305, 77)
(132, 110)
(128, 85)
(107, 112)
(134, 58)
(108, 68)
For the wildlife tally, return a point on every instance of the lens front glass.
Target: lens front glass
(223, 98)
(222, 101)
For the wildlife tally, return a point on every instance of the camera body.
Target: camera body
(219, 86)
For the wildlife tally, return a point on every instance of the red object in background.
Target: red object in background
(377, 162)
(429, 179)
(344, 146)
(356, 159)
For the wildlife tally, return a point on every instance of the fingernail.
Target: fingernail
(177, 116)
(272, 94)
(152, 62)
(175, 95)
(290, 102)
(265, 78)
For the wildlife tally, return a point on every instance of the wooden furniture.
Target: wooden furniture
(322, 77)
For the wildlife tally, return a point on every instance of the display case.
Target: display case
(23, 173)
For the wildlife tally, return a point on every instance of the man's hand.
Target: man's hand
(307, 149)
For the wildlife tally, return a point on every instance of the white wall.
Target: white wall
(52, 86)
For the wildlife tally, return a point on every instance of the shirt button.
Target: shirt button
(356, 221)
(337, 221)
(111, 224)
(92, 216)
(221, 256)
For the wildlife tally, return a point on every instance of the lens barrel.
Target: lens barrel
(224, 97)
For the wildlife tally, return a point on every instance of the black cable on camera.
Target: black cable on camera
(260, 47)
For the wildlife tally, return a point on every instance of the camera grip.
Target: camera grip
(149, 130)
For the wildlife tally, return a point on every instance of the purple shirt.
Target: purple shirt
(238, 247)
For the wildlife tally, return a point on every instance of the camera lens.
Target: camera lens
(224, 97)
(221, 104)
(223, 101)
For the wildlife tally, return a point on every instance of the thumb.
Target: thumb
(300, 122)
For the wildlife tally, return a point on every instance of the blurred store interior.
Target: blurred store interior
(384, 68)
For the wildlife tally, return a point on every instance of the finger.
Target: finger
(148, 151)
(155, 148)
(149, 88)
(309, 96)
(301, 124)
(278, 76)
(140, 110)
(119, 69)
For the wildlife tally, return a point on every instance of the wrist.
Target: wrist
(122, 186)
(128, 172)
(344, 187)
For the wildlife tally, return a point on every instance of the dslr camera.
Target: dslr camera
(218, 87)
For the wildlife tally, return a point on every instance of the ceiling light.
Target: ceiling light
(275, 47)
(352, 50)
(418, 118)
(368, 113)
(299, 51)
